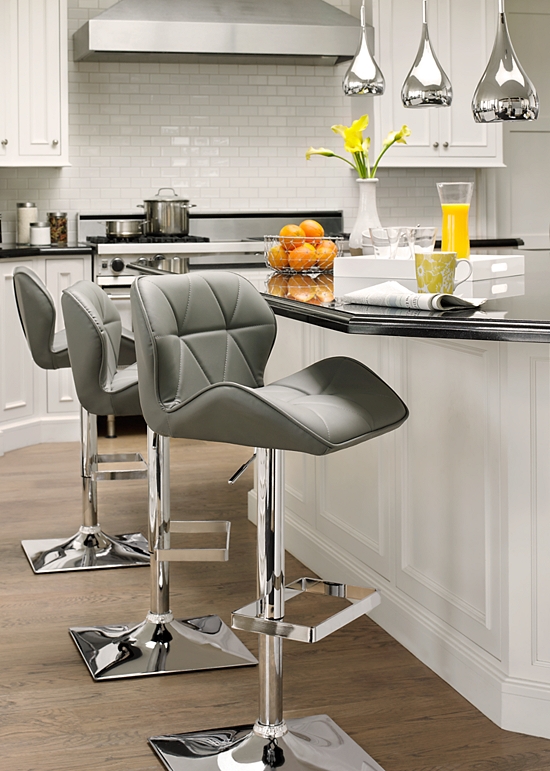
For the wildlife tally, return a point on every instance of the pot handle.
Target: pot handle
(185, 205)
(166, 188)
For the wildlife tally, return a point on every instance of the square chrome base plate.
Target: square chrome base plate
(158, 648)
(311, 744)
(86, 551)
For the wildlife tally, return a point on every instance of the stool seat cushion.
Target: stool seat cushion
(333, 404)
(202, 343)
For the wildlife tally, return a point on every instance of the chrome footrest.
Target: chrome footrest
(202, 554)
(122, 457)
(362, 600)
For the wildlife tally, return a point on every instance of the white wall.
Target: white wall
(228, 137)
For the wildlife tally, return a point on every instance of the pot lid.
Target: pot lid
(173, 197)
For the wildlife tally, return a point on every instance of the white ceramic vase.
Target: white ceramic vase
(367, 214)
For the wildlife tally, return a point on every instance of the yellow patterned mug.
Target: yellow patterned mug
(435, 272)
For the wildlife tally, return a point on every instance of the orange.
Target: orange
(326, 252)
(278, 257)
(302, 288)
(277, 285)
(325, 288)
(313, 230)
(303, 257)
(291, 236)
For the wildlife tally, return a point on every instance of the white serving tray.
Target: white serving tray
(485, 267)
(492, 289)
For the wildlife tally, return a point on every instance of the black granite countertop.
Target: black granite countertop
(14, 250)
(524, 318)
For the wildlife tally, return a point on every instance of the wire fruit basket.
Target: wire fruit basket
(296, 254)
(315, 290)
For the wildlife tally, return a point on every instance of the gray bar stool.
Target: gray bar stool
(90, 548)
(202, 342)
(160, 644)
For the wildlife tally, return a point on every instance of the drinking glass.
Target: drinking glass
(392, 243)
(455, 200)
(423, 240)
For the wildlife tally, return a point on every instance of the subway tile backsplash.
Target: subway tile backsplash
(228, 137)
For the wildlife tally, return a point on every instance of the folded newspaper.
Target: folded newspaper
(394, 295)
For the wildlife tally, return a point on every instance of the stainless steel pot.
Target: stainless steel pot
(124, 228)
(167, 215)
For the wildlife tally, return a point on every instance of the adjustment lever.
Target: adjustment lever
(240, 471)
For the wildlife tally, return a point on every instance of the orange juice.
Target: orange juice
(454, 234)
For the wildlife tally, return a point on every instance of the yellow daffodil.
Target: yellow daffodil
(359, 147)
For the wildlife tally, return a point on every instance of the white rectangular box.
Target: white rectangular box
(484, 267)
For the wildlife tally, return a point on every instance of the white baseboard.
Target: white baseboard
(49, 428)
(513, 704)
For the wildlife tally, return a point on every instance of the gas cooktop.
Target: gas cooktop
(148, 240)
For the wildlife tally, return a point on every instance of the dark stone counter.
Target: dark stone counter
(515, 319)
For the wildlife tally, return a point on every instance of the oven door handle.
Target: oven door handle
(115, 296)
(148, 270)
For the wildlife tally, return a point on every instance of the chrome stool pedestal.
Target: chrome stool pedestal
(161, 644)
(314, 743)
(90, 548)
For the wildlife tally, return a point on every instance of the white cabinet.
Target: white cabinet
(35, 405)
(34, 101)
(462, 34)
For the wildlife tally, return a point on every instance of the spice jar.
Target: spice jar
(40, 233)
(58, 227)
(26, 213)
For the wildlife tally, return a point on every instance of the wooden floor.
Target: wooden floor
(53, 717)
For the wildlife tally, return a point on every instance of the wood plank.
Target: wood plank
(53, 717)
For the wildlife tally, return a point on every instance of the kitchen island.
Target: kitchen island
(450, 515)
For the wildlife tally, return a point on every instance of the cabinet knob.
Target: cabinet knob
(445, 145)
(436, 145)
(55, 142)
(4, 142)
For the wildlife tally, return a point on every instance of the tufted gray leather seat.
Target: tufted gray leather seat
(94, 333)
(37, 312)
(90, 548)
(202, 342)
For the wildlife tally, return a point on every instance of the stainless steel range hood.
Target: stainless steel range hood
(233, 31)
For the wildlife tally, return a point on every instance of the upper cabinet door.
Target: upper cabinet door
(34, 108)
(462, 35)
(8, 92)
(39, 78)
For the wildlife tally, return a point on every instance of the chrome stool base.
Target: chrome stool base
(89, 549)
(314, 743)
(160, 646)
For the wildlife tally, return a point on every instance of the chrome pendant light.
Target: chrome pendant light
(363, 75)
(426, 85)
(504, 92)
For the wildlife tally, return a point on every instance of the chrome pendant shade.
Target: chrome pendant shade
(504, 92)
(363, 75)
(426, 85)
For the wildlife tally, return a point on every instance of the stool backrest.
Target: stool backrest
(37, 313)
(93, 327)
(195, 330)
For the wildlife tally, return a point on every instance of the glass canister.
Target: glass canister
(58, 227)
(40, 233)
(26, 213)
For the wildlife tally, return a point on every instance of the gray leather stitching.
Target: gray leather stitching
(180, 378)
(236, 304)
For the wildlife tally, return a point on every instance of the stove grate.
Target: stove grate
(148, 240)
